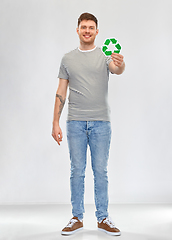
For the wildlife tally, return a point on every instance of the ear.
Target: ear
(97, 31)
(77, 30)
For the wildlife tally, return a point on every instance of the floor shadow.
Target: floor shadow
(87, 235)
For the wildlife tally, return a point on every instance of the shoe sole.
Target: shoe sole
(110, 233)
(72, 232)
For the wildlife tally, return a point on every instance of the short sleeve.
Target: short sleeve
(108, 60)
(63, 73)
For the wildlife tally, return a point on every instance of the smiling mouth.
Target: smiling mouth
(87, 36)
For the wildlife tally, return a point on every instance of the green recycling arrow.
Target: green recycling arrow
(106, 44)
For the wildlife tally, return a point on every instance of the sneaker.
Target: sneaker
(73, 226)
(107, 226)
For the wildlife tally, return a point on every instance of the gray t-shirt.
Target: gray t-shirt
(88, 75)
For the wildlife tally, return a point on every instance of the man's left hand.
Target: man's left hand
(117, 59)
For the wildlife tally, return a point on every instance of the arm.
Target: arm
(117, 66)
(58, 107)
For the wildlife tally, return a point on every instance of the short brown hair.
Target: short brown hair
(87, 16)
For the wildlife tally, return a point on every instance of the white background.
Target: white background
(35, 34)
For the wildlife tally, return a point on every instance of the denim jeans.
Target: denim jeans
(96, 134)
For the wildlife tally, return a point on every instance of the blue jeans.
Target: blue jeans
(96, 134)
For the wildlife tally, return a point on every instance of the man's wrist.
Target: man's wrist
(56, 122)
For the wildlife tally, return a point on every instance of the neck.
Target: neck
(85, 46)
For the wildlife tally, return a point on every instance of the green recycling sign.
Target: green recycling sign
(113, 41)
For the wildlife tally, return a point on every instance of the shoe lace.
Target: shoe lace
(109, 222)
(71, 223)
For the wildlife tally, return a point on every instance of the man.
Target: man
(86, 71)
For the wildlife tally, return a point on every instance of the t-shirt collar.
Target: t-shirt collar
(87, 50)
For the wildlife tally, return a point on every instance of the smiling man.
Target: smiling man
(85, 70)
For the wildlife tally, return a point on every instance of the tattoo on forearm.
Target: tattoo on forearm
(62, 102)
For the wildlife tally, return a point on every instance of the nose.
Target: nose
(87, 30)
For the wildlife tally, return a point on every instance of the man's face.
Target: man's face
(87, 31)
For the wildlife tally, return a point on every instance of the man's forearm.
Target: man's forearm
(59, 104)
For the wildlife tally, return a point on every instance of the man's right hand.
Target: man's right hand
(57, 133)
